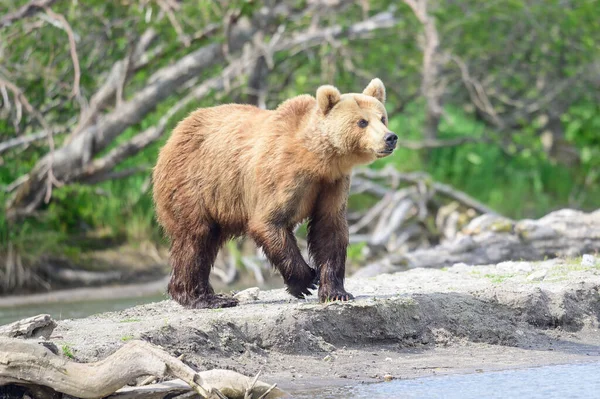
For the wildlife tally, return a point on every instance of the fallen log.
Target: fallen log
(490, 239)
(33, 327)
(28, 363)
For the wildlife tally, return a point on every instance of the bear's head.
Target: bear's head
(356, 125)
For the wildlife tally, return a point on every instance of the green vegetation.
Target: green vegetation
(126, 338)
(67, 351)
(561, 270)
(498, 278)
(130, 320)
(355, 252)
(537, 150)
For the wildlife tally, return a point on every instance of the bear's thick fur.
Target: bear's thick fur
(234, 169)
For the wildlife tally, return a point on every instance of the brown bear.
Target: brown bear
(235, 169)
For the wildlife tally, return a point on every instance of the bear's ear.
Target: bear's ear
(376, 89)
(327, 97)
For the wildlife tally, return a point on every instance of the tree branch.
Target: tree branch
(430, 86)
(75, 92)
(29, 9)
(29, 138)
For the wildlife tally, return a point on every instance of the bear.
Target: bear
(233, 170)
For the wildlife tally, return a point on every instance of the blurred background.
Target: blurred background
(496, 104)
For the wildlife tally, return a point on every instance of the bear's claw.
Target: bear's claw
(301, 293)
(334, 295)
(299, 285)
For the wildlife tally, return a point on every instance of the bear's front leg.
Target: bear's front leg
(280, 246)
(328, 241)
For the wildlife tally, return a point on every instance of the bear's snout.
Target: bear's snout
(390, 141)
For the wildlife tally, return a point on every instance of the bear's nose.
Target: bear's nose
(390, 139)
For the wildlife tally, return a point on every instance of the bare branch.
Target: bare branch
(75, 92)
(477, 92)
(168, 8)
(420, 178)
(22, 99)
(29, 9)
(115, 78)
(431, 88)
(143, 139)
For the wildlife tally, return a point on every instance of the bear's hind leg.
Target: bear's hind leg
(192, 257)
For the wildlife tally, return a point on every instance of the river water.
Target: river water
(74, 310)
(572, 381)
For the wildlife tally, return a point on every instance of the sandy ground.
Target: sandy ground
(415, 323)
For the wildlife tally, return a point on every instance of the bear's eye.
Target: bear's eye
(383, 120)
(363, 123)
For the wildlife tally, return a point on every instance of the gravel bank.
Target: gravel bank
(420, 322)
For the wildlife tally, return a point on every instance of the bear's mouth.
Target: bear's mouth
(384, 153)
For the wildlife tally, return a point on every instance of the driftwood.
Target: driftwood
(407, 202)
(28, 363)
(490, 239)
(231, 384)
(33, 327)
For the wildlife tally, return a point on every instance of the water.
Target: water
(73, 310)
(574, 381)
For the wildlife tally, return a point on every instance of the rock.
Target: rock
(388, 377)
(514, 267)
(248, 295)
(489, 239)
(537, 275)
(589, 260)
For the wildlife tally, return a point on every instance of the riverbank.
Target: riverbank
(415, 323)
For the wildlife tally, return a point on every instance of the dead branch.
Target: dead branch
(393, 175)
(463, 198)
(140, 141)
(251, 264)
(33, 327)
(75, 92)
(25, 11)
(20, 98)
(400, 221)
(168, 8)
(29, 138)
(116, 78)
(30, 363)
(477, 92)
(431, 88)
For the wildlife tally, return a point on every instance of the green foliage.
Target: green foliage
(127, 338)
(67, 351)
(355, 252)
(133, 320)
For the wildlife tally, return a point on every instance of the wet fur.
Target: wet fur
(235, 170)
